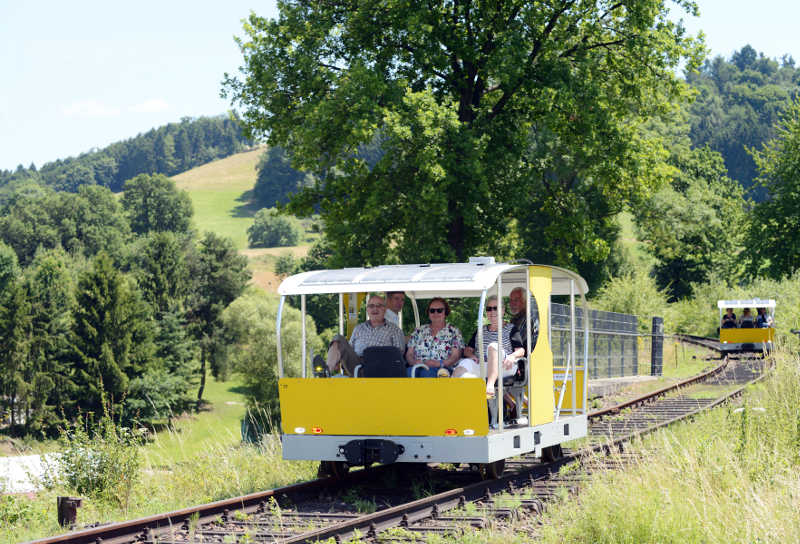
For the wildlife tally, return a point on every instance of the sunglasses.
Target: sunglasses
(491, 308)
(435, 310)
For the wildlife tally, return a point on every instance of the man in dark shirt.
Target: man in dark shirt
(516, 303)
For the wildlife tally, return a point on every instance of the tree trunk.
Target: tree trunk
(455, 237)
(202, 375)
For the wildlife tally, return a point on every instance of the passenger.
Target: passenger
(516, 303)
(746, 322)
(394, 304)
(507, 348)
(437, 345)
(729, 319)
(376, 331)
(763, 319)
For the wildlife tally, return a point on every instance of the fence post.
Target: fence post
(657, 350)
(635, 330)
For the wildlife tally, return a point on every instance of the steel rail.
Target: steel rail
(649, 397)
(114, 533)
(151, 527)
(430, 507)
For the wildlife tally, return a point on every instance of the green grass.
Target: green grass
(728, 476)
(195, 433)
(201, 460)
(221, 195)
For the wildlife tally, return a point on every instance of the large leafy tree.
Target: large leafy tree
(87, 222)
(476, 106)
(154, 203)
(773, 245)
(694, 226)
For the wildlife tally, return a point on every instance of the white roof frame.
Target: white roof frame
(426, 280)
(746, 303)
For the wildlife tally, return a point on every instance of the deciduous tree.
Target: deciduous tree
(457, 94)
(154, 203)
(773, 245)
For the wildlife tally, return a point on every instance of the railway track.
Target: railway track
(410, 502)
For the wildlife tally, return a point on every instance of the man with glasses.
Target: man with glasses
(375, 331)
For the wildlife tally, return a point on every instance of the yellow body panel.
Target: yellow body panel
(569, 403)
(383, 406)
(746, 336)
(541, 362)
(352, 305)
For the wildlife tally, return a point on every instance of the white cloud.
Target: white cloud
(155, 105)
(90, 108)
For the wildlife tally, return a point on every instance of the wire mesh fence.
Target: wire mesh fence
(615, 346)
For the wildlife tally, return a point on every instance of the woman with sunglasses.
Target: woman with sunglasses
(506, 346)
(437, 345)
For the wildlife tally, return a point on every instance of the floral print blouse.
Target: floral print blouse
(439, 347)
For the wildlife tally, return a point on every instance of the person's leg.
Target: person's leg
(491, 367)
(334, 353)
(466, 368)
(341, 353)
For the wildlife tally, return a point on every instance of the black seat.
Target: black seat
(519, 377)
(382, 362)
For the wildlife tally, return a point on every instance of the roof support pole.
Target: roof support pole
(572, 345)
(278, 335)
(499, 398)
(341, 314)
(303, 329)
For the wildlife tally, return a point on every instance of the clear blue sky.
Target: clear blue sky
(83, 74)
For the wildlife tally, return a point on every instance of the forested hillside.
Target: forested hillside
(168, 150)
(109, 304)
(738, 104)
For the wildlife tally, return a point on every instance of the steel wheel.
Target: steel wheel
(552, 453)
(337, 469)
(493, 471)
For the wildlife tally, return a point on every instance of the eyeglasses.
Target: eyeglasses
(435, 310)
(491, 308)
(373, 306)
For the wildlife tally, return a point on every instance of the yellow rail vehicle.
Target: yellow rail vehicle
(361, 420)
(746, 325)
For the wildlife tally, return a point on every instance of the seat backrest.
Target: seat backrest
(383, 362)
(519, 377)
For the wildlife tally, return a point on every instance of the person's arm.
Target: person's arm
(517, 347)
(455, 355)
(517, 341)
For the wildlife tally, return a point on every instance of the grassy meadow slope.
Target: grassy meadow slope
(221, 192)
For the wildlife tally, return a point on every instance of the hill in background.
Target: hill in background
(222, 196)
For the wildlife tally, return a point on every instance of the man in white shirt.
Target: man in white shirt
(394, 305)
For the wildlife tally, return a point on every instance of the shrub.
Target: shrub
(270, 229)
(104, 465)
(633, 293)
(249, 323)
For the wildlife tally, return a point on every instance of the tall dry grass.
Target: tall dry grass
(732, 475)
